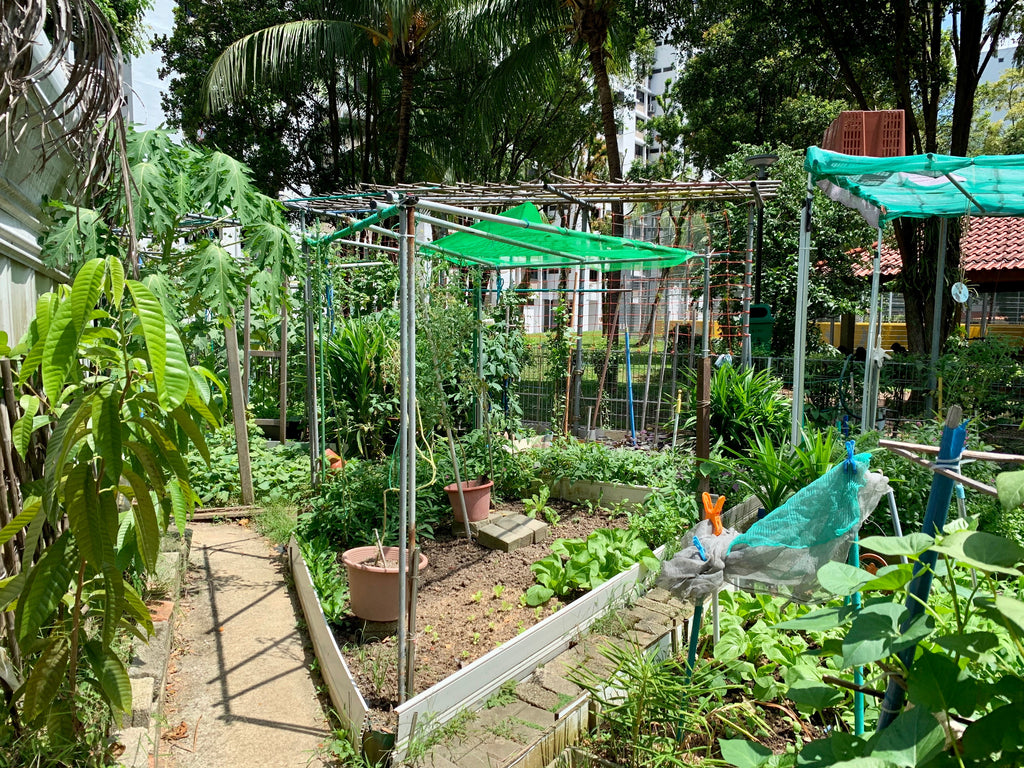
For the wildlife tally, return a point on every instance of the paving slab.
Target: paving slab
(510, 533)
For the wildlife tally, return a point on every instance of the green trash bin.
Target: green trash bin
(761, 324)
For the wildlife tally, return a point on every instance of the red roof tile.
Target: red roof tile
(989, 245)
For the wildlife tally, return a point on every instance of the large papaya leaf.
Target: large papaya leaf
(225, 184)
(154, 330)
(214, 278)
(78, 233)
(46, 583)
(110, 674)
(46, 677)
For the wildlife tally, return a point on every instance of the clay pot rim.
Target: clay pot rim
(467, 486)
(351, 560)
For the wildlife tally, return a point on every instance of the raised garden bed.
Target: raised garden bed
(460, 584)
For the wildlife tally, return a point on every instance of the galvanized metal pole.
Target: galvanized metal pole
(746, 353)
(404, 281)
(312, 406)
(413, 549)
(800, 330)
(869, 394)
(940, 290)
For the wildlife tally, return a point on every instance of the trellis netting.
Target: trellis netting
(781, 553)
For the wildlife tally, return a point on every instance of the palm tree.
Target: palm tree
(411, 32)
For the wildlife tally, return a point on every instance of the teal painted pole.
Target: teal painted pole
(858, 672)
(629, 391)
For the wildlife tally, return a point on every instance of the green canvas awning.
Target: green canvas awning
(920, 186)
(543, 246)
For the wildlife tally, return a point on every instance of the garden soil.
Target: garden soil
(239, 691)
(469, 603)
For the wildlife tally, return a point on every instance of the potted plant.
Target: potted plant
(373, 581)
(477, 494)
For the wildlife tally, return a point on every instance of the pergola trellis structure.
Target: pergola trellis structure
(884, 189)
(517, 240)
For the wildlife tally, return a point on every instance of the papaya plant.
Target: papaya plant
(105, 373)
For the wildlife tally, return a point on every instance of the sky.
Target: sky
(146, 86)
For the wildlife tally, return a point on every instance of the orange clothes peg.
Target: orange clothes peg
(713, 512)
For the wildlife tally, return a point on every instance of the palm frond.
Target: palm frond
(270, 54)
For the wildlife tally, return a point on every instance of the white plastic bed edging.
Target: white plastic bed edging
(348, 702)
(515, 660)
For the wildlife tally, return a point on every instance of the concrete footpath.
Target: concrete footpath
(239, 691)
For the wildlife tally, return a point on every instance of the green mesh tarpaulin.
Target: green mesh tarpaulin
(565, 247)
(885, 188)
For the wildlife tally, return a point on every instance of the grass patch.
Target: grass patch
(276, 522)
(506, 694)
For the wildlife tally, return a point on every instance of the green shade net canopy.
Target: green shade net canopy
(919, 186)
(562, 247)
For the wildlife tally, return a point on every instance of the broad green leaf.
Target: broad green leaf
(195, 434)
(94, 535)
(86, 292)
(891, 577)
(151, 468)
(937, 683)
(911, 545)
(154, 209)
(837, 748)
(969, 644)
(842, 579)
(225, 184)
(136, 609)
(115, 281)
(154, 330)
(1010, 488)
(911, 739)
(106, 429)
(177, 380)
(110, 674)
(45, 584)
(60, 351)
(79, 233)
(168, 450)
(983, 551)
(874, 634)
(23, 518)
(744, 754)
(813, 696)
(181, 506)
(5, 348)
(147, 526)
(23, 427)
(10, 589)
(820, 620)
(46, 677)
(997, 732)
(113, 579)
(1004, 610)
(538, 595)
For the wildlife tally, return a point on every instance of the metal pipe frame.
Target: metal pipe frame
(940, 289)
(800, 329)
(869, 392)
(746, 353)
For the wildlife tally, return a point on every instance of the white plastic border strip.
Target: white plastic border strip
(515, 660)
(348, 702)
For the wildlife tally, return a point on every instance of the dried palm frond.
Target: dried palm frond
(75, 41)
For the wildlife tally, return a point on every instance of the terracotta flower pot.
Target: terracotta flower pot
(373, 589)
(478, 499)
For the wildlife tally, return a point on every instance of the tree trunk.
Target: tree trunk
(334, 126)
(404, 122)
(613, 280)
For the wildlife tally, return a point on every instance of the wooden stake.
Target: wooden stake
(238, 414)
(283, 360)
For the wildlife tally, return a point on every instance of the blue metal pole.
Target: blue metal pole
(950, 448)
